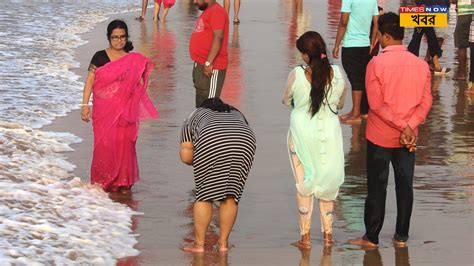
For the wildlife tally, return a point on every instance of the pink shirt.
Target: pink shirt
(399, 91)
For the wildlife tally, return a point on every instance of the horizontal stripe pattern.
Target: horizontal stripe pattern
(224, 149)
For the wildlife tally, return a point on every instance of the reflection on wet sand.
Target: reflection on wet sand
(333, 15)
(132, 204)
(300, 23)
(305, 254)
(349, 208)
(163, 47)
(372, 257)
(325, 259)
(220, 259)
(402, 258)
(232, 89)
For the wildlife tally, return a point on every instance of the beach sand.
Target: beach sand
(261, 55)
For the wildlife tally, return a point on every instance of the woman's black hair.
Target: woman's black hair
(312, 44)
(216, 104)
(119, 24)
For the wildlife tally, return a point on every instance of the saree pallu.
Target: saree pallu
(120, 102)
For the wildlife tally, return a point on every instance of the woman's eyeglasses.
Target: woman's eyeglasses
(118, 37)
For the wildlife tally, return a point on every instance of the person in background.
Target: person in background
(315, 148)
(376, 48)
(399, 91)
(220, 145)
(143, 14)
(354, 31)
(465, 10)
(470, 87)
(440, 32)
(208, 50)
(433, 44)
(118, 80)
(236, 9)
(167, 4)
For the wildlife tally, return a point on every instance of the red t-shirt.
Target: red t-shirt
(213, 18)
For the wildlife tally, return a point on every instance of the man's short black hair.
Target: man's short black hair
(389, 23)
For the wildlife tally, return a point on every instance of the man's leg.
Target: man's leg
(236, 11)
(471, 64)
(354, 61)
(144, 6)
(347, 65)
(216, 83)
(461, 41)
(403, 163)
(227, 5)
(356, 102)
(202, 84)
(470, 87)
(378, 160)
(414, 46)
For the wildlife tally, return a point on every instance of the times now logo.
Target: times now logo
(424, 9)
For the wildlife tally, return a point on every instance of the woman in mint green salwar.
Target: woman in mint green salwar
(315, 139)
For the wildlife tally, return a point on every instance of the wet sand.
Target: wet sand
(261, 53)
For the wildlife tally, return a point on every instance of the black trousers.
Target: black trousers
(378, 161)
(433, 45)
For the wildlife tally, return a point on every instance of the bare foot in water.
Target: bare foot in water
(194, 248)
(302, 244)
(399, 244)
(362, 242)
(223, 247)
(127, 191)
(328, 241)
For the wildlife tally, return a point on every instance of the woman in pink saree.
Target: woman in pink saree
(118, 80)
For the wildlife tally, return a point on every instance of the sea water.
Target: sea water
(47, 215)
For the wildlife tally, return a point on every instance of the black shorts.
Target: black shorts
(461, 31)
(354, 62)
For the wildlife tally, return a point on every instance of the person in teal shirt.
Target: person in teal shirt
(315, 146)
(354, 33)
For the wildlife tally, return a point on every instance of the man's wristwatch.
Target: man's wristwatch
(207, 63)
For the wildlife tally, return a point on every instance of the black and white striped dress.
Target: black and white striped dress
(224, 148)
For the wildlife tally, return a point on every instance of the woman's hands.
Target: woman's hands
(86, 113)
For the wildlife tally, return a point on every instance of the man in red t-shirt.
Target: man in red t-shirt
(208, 50)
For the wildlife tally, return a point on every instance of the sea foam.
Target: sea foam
(48, 215)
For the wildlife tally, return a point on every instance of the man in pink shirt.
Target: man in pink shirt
(399, 93)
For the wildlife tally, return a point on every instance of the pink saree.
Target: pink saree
(120, 102)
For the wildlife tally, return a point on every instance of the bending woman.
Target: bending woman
(118, 80)
(315, 146)
(218, 142)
